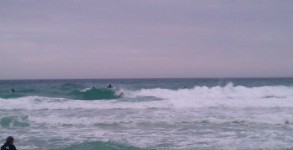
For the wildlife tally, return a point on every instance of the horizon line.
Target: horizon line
(144, 78)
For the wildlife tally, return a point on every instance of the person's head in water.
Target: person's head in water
(109, 86)
(10, 140)
(12, 90)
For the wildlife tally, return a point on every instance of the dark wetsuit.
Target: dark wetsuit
(109, 86)
(7, 146)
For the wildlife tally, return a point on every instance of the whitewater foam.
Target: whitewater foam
(204, 117)
(228, 96)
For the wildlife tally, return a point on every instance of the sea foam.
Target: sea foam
(229, 96)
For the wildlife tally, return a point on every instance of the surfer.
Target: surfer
(12, 90)
(9, 144)
(109, 86)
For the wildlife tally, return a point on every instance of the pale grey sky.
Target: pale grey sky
(145, 38)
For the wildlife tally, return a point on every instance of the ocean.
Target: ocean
(142, 114)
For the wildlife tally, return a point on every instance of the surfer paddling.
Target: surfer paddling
(109, 86)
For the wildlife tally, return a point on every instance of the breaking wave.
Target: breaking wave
(229, 95)
(198, 96)
(66, 91)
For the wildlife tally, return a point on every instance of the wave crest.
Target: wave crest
(217, 92)
(94, 94)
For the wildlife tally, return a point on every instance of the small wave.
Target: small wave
(101, 145)
(14, 121)
(86, 94)
(17, 93)
(95, 94)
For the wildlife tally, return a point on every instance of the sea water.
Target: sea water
(148, 114)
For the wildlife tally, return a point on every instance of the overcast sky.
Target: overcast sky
(47, 39)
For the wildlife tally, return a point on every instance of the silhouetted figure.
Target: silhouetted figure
(12, 90)
(9, 144)
(109, 86)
